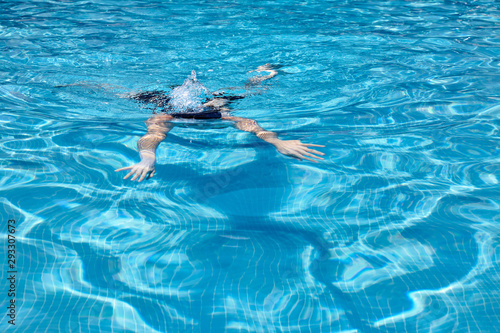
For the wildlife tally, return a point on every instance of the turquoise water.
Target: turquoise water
(397, 230)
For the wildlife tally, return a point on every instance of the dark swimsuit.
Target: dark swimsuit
(213, 114)
(161, 100)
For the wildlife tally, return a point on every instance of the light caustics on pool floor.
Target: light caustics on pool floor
(396, 231)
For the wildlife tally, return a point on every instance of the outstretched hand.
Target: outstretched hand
(298, 150)
(145, 169)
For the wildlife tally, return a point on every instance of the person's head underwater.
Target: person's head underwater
(189, 97)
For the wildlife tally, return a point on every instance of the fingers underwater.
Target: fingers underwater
(311, 155)
(312, 145)
(136, 175)
(144, 174)
(309, 159)
(125, 168)
(315, 152)
(130, 174)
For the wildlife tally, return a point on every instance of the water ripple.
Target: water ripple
(396, 231)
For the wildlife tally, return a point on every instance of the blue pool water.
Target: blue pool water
(397, 230)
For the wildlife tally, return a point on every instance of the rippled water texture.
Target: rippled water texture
(396, 231)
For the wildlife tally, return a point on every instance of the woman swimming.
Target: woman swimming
(192, 100)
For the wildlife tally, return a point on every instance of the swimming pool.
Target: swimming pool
(397, 230)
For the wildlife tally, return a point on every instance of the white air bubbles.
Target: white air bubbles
(190, 96)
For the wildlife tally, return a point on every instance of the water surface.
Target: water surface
(396, 231)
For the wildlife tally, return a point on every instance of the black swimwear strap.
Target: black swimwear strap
(198, 115)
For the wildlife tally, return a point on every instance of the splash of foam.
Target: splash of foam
(190, 96)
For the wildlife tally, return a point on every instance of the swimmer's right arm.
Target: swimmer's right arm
(158, 127)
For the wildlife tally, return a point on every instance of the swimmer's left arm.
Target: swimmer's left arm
(256, 80)
(252, 82)
(293, 148)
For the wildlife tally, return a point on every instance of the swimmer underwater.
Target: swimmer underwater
(194, 101)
